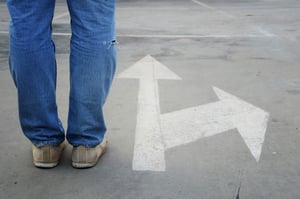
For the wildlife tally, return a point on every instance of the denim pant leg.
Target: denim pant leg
(33, 68)
(92, 67)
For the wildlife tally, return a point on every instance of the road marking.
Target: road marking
(60, 16)
(215, 118)
(172, 36)
(4, 32)
(149, 152)
(193, 36)
(62, 34)
(203, 4)
(54, 33)
(265, 32)
(213, 8)
(257, 28)
(156, 132)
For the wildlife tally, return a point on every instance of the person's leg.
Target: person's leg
(92, 67)
(33, 68)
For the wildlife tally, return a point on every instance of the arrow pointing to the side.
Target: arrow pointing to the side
(149, 151)
(156, 133)
(188, 125)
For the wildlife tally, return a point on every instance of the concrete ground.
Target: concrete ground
(247, 48)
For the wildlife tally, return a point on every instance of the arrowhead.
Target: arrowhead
(250, 121)
(148, 67)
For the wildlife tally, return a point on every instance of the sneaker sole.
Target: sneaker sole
(45, 165)
(85, 165)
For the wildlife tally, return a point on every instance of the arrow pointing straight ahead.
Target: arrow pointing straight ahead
(149, 151)
(156, 133)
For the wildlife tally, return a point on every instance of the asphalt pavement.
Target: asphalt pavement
(205, 104)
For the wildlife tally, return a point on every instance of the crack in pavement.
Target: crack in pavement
(239, 184)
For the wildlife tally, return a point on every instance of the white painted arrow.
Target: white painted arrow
(156, 133)
(149, 151)
(188, 125)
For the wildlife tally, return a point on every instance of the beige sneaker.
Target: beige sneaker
(47, 156)
(84, 157)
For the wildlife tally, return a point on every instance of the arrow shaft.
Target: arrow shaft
(195, 123)
(155, 133)
(149, 151)
(148, 148)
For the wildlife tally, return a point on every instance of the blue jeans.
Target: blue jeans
(33, 68)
